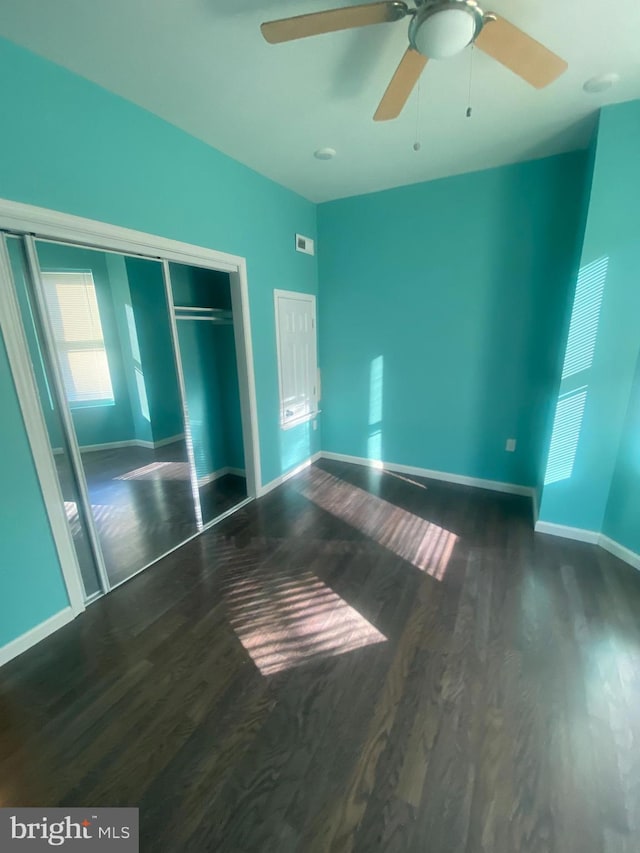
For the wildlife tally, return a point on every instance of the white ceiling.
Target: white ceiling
(203, 66)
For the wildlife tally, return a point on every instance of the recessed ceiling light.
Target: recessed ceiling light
(325, 153)
(601, 82)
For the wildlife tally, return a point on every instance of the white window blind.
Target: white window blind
(297, 356)
(77, 330)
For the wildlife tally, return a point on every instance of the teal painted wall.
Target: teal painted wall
(80, 149)
(31, 584)
(622, 516)
(441, 310)
(213, 396)
(210, 370)
(129, 346)
(197, 287)
(202, 387)
(563, 326)
(151, 313)
(230, 396)
(612, 246)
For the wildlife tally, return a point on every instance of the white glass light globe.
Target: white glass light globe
(445, 33)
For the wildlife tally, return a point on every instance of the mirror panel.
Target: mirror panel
(109, 318)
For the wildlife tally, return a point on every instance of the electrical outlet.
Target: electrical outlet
(315, 424)
(510, 445)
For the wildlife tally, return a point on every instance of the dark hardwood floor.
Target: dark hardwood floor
(356, 662)
(222, 495)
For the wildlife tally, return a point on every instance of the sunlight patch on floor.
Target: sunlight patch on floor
(425, 545)
(289, 619)
(405, 479)
(158, 471)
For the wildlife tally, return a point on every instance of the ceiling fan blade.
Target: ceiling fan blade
(404, 79)
(288, 29)
(522, 54)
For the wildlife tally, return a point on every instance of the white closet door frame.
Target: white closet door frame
(53, 225)
(27, 392)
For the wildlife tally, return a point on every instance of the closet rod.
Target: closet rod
(198, 310)
(220, 321)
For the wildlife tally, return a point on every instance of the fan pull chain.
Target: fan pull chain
(416, 144)
(470, 78)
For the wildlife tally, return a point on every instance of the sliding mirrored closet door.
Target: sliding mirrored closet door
(204, 323)
(108, 324)
(135, 366)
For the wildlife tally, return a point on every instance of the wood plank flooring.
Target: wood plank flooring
(357, 662)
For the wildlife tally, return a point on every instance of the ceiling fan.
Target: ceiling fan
(438, 29)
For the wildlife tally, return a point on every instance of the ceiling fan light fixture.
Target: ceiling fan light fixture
(438, 29)
(443, 29)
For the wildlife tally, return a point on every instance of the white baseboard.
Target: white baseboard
(577, 534)
(113, 445)
(131, 442)
(476, 482)
(493, 485)
(618, 550)
(153, 445)
(278, 481)
(221, 472)
(26, 641)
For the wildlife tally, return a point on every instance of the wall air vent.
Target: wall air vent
(305, 244)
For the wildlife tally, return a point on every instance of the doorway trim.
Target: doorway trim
(27, 393)
(54, 225)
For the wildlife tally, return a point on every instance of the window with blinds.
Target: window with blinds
(297, 359)
(75, 318)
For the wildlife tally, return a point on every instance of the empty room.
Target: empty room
(320, 426)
